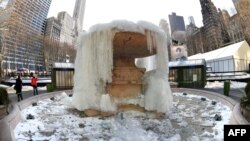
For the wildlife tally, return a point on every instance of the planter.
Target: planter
(2, 111)
(226, 88)
(245, 110)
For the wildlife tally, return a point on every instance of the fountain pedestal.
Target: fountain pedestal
(126, 79)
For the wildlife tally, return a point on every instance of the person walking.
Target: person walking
(34, 84)
(18, 88)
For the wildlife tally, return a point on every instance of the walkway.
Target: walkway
(235, 94)
(26, 94)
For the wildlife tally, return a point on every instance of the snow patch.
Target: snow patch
(55, 121)
(220, 84)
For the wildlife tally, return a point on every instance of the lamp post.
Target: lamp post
(67, 58)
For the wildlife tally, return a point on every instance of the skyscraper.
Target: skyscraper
(51, 42)
(78, 16)
(176, 22)
(53, 29)
(67, 28)
(23, 43)
(213, 31)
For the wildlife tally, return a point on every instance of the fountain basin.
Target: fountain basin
(191, 118)
(10, 122)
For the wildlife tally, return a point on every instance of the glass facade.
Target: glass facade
(23, 43)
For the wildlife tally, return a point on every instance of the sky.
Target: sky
(104, 11)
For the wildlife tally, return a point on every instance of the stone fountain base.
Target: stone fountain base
(10, 122)
(120, 108)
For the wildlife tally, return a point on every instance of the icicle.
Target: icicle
(107, 104)
(157, 97)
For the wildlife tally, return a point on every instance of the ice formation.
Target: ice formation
(94, 63)
(157, 92)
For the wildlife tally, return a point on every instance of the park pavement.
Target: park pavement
(25, 94)
(235, 93)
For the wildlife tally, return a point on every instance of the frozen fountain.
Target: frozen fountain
(106, 77)
(114, 77)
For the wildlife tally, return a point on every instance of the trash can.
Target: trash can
(226, 87)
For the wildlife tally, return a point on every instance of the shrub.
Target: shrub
(245, 103)
(247, 90)
(50, 87)
(226, 87)
(246, 99)
(4, 98)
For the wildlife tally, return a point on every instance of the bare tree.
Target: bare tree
(54, 51)
(70, 51)
(243, 8)
(50, 52)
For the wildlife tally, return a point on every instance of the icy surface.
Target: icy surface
(94, 61)
(158, 95)
(107, 104)
(191, 120)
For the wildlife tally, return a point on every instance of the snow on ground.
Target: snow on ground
(191, 119)
(10, 89)
(4, 86)
(220, 84)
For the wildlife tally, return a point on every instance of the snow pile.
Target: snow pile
(220, 84)
(204, 114)
(55, 121)
(94, 61)
(215, 84)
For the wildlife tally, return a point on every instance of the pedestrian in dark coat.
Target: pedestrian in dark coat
(18, 87)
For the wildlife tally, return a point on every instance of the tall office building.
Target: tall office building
(51, 42)
(23, 43)
(176, 22)
(53, 29)
(213, 31)
(78, 16)
(67, 26)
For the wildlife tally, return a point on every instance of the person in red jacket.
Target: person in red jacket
(34, 84)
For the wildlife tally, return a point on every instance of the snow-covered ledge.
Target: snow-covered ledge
(236, 117)
(9, 123)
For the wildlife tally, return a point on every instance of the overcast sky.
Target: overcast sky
(103, 11)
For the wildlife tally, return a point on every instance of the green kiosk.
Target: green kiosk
(188, 73)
